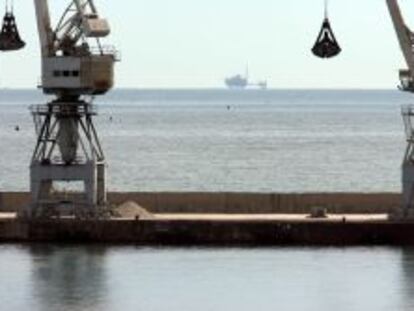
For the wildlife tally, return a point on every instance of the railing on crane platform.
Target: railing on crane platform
(58, 108)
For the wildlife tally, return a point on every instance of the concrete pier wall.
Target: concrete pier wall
(261, 203)
(156, 202)
(217, 233)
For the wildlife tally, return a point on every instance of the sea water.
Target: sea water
(217, 140)
(89, 278)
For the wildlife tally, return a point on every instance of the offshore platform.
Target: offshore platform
(241, 82)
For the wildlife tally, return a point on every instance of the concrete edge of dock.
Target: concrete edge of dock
(276, 230)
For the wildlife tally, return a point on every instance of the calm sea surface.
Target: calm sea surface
(43, 278)
(219, 141)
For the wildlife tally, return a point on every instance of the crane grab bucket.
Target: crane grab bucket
(326, 45)
(9, 36)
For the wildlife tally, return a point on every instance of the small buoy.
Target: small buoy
(17, 128)
(110, 119)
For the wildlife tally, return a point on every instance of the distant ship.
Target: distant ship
(242, 82)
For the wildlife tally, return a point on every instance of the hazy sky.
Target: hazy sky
(197, 43)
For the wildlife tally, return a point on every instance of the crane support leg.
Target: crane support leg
(67, 151)
(406, 211)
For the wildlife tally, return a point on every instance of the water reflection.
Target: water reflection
(48, 277)
(68, 278)
(408, 277)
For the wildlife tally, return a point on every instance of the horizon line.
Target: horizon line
(220, 89)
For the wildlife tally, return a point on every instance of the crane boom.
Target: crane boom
(44, 27)
(406, 39)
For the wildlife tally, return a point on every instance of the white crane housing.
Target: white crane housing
(69, 61)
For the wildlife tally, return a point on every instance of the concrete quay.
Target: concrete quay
(215, 230)
(222, 219)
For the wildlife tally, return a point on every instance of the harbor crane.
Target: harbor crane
(76, 67)
(406, 41)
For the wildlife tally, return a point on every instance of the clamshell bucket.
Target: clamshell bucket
(9, 36)
(326, 45)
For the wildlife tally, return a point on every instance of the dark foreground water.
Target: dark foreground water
(129, 278)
